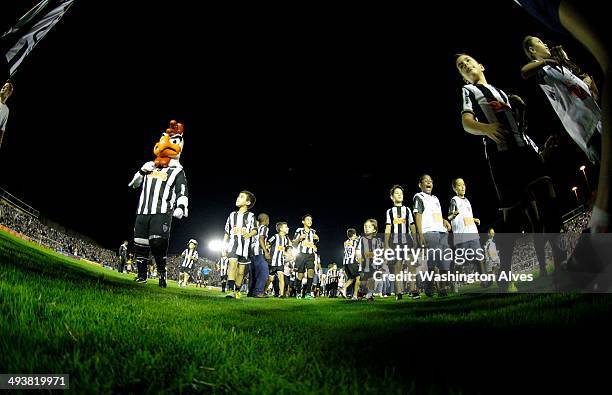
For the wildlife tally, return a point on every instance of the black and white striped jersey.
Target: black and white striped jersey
(123, 251)
(163, 190)
(189, 258)
(223, 266)
(308, 245)
(278, 246)
(400, 219)
(429, 207)
(262, 230)
(368, 248)
(332, 276)
(350, 251)
(237, 225)
(491, 104)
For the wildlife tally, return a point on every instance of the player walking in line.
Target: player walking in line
(190, 258)
(432, 230)
(399, 231)
(239, 231)
(305, 239)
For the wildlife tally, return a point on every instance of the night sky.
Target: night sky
(315, 109)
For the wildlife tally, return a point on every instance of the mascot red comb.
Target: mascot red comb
(163, 196)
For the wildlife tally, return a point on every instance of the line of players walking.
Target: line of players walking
(292, 266)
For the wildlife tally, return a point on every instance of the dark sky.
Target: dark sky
(315, 109)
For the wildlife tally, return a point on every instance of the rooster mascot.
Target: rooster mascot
(163, 195)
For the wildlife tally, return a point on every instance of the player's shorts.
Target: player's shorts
(149, 226)
(364, 276)
(408, 244)
(241, 259)
(513, 172)
(304, 262)
(186, 269)
(437, 246)
(351, 270)
(274, 269)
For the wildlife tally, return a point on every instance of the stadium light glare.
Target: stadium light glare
(582, 167)
(215, 245)
(574, 189)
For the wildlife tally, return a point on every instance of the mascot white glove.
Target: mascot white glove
(178, 213)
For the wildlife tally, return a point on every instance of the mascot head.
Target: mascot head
(170, 145)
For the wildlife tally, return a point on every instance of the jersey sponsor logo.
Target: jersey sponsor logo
(280, 248)
(348, 243)
(498, 106)
(237, 231)
(437, 217)
(369, 254)
(468, 221)
(159, 174)
(308, 244)
(399, 221)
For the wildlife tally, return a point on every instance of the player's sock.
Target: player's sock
(308, 286)
(230, 285)
(223, 286)
(298, 287)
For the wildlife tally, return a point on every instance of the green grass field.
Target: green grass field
(111, 335)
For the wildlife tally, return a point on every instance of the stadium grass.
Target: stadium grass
(60, 315)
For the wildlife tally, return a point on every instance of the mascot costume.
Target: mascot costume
(163, 195)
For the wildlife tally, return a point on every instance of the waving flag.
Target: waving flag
(30, 29)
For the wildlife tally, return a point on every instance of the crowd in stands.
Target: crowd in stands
(44, 235)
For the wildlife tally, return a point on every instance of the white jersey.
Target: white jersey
(571, 99)
(464, 228)
(431, 212)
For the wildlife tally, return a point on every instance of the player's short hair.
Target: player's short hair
(454, 182)
(423, 177)
(250, 197)
(279, 225)
(526, 44)
(262, 216)
(373, 222)
(350, 232)
(394, 187)
(306, 216)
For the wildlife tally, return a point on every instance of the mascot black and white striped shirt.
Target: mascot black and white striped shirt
(163, 190)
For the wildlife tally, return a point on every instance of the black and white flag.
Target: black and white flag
(19, 40)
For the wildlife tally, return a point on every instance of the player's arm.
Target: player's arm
(419, 208)
(495, 131)
(452, 210)
(140, 174)
(532, 68)
(388, 229)
(251, 228)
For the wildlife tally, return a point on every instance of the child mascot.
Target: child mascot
(163, 195)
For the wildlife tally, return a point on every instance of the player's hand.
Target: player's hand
(178, 213)
(315, 237)
(477, 221)
(454, 214)
(516, 101)
(447, 225)
(496, 132)
(148, 167)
